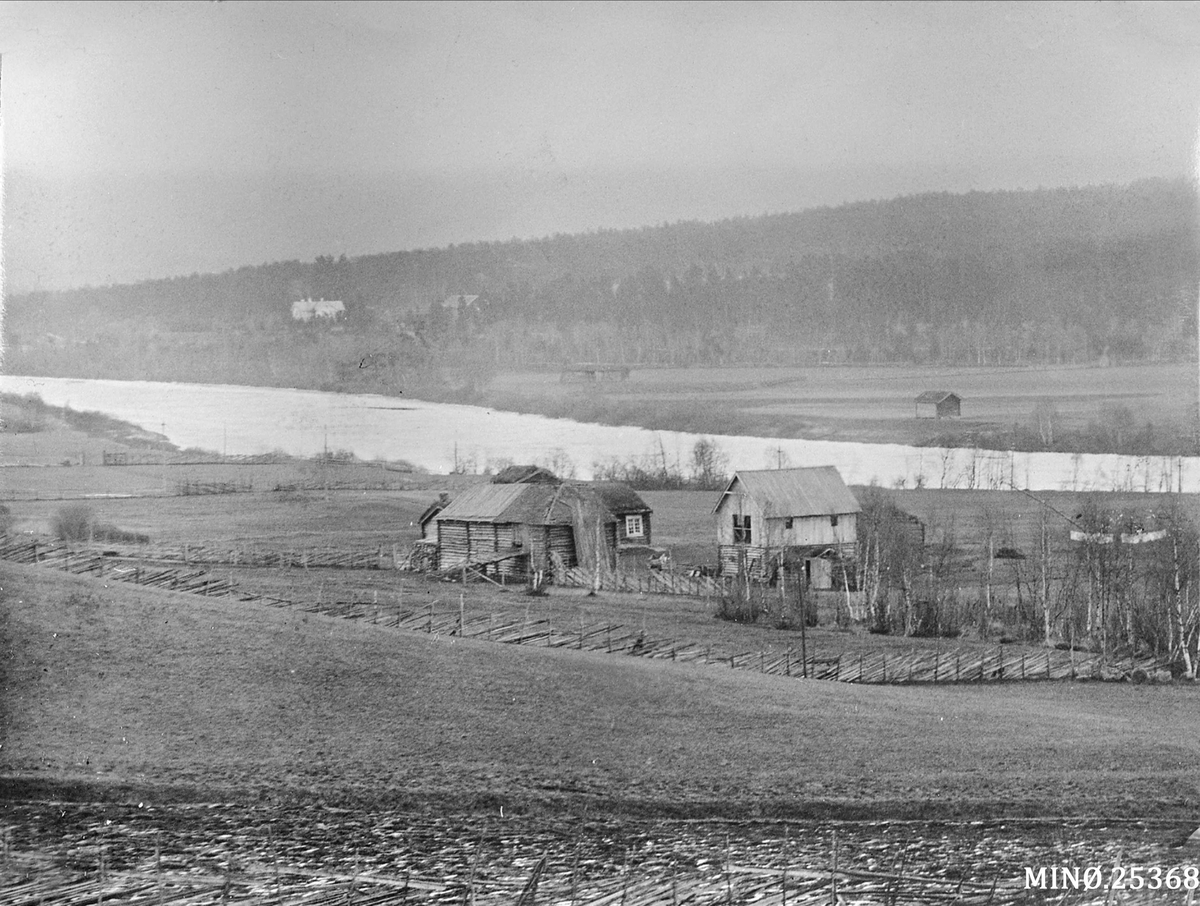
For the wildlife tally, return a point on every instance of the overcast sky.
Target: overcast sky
(152, 139)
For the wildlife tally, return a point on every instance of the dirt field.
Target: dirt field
(858, 403)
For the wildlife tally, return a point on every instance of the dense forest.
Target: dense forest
(1044, 276)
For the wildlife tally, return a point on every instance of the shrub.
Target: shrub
(74, 523)
(105, 532)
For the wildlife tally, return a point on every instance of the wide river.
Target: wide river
(437, 436)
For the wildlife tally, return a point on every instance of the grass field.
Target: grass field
(150, 691)
(339, 743)
(124, 687)
(857, 403)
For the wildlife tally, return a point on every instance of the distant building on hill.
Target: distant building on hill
(939, 404)
(457, 304)
(318, 309)
(803, 519)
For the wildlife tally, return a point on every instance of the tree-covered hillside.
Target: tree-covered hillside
(1062, 275)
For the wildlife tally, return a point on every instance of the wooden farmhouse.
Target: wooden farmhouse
(939, 404)
(503, 530)
(804, 519)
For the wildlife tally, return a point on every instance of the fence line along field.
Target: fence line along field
(942, 664)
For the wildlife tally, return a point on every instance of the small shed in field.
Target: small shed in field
(804, 518)
(939, 404)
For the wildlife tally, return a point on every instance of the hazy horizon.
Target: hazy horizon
(146, 140)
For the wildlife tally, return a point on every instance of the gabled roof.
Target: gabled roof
(528, 504)
(542, 504)
(619, 499)
(936, 396)
(433, 509)
(458, 301)
(525, 475)
(817, 491)
(483, 503)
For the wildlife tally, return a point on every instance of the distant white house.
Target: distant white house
(311, 309)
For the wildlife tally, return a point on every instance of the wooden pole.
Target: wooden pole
(803, 627)
(834, 867)
(728, 873)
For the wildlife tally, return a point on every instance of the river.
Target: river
(441, 436)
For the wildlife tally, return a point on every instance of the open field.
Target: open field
(352, 747)
(856, 403)
(147, 690)
(682, 520)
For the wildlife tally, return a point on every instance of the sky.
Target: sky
(154, 139)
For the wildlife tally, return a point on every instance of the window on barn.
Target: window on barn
(634, 527)
(833, 521)
(741, 529)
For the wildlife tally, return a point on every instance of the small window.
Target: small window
(741, 529)
(787, 523)
(833, 521)
(634, 527)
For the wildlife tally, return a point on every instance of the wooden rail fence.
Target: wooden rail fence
(963, 664)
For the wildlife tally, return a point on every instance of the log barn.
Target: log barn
(806, 519)
(514, 529)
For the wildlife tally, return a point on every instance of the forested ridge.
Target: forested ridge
(1017, 277)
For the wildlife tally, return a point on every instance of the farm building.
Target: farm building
(457, 304)
(939, 404)
(632, 514)
(806, 519)
(514, 529)
(318, 310)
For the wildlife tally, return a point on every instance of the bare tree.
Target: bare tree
(710, 465)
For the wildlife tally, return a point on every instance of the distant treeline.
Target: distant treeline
(1045, 276)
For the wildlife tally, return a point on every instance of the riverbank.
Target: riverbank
(445, 438)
